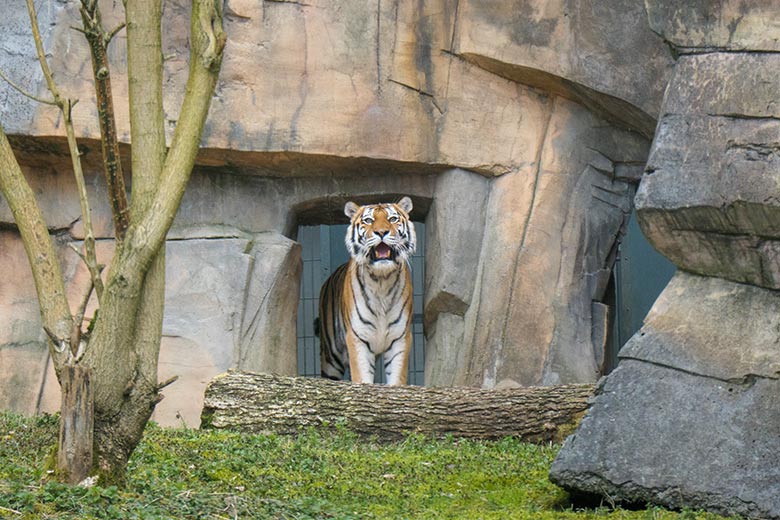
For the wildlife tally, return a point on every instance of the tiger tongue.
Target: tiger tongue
(382, 251)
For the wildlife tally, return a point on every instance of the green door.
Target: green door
(640, 274)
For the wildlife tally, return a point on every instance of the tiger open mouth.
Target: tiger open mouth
(382, 252)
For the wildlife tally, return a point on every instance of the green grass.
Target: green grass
(185, 473)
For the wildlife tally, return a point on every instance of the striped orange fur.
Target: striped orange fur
(366, 304)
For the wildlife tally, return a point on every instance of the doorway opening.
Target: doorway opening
(638, 277)
(322, 251)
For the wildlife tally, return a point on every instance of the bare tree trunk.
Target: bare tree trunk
(266, 403)
(74, 454)
(120, 352)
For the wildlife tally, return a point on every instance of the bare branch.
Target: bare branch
(78, 29)
(93, 267)
(110, 35)
(66, 107)
(60, 345)
(78, 319)
(98, 40)
(24, 92)
(42, 55)
(49, 284)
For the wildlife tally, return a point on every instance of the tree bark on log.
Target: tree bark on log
(262, 403)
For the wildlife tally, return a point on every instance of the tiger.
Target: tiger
(365, 306)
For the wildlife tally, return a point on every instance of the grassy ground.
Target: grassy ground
(208, 474)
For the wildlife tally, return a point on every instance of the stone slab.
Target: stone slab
(713, 328)
(587, 50)
(550, 240)
(195, 366)
(205, 280)
(22, 372)
(268, 323)
(393, 80)
(454, 229)
(709, 201)
(444, 355)
(661, 436)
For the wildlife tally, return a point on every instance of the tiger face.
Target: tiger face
(380, 236)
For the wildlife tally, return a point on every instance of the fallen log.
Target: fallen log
(262, 403)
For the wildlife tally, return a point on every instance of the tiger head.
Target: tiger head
(380, 236)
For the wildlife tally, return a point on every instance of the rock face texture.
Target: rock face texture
(711, 202)
(689, 418)
(520, 131)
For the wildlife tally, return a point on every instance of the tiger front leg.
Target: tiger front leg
(397, 360)
(361, 360)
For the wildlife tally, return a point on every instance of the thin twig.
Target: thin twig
(14, 511)
(42, 55)
(66, 108)
(24, 92)
(79, 317)
(110, 36)
(167, 382)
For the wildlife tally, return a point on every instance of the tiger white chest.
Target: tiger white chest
(380, 316)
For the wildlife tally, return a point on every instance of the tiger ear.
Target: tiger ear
(350, 208)
(405, 204)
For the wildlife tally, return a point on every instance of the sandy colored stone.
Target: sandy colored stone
(453, 241)
(21, 321)
(384, 77)
(22, 375)
(739, 316)
(195, 367)
(706, 26)
(590, 51)
(268, 322)
(541, 268)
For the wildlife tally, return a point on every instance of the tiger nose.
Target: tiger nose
(381, 233)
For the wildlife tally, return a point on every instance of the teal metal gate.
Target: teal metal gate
(640, 274)
(323, 250)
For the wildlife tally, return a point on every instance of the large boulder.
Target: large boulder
(546, 256)
(689, 417)
(393, 80)
(268, 321)
(590, 51)
(735, 25)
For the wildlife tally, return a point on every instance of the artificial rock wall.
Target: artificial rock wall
(690, 417)
(519, 128)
